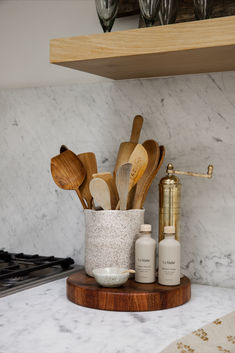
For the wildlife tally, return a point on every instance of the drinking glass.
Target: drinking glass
(203, 9)
(107, 11)
(149, 9)
(168, 11)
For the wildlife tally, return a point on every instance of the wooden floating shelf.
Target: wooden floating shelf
(132, 296)
(183, 48)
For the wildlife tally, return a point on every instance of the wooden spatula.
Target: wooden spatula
(145, 181)
(155, 154)
(88, 160)
(108, 177)
(126, 148)
(100, 191)
(68, 172)
(122, 182)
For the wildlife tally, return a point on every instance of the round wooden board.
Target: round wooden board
(83, 290)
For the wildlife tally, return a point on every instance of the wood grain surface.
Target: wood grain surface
(83, 290)
(184, 48)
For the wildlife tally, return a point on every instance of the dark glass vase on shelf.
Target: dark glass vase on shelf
(148, 10)
(107, 12)
(203, 9)
(168, 11)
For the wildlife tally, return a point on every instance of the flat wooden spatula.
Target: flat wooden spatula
(122, 182)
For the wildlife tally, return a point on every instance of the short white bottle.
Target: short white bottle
(169, 259)
(145, 256)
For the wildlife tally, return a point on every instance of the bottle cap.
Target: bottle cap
(145, 228)
(169, 230)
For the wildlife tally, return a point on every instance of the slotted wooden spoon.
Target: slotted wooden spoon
(126, 148)
(68, 172)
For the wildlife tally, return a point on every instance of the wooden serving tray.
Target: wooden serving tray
(83, 290)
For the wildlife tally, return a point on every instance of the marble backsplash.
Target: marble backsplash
(193, 116)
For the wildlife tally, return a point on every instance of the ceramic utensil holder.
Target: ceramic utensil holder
(110, 237)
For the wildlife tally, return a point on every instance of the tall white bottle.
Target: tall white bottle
(169, 259)
(145, 256)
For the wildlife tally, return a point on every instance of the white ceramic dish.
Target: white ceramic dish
(110, 276)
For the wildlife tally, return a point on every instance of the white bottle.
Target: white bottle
(145, 256)
(169, 259)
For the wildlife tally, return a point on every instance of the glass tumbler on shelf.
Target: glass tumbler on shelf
(203, 9)
(148, 10)
(168, 11)
(107, 12)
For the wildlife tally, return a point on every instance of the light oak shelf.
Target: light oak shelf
(184, 48)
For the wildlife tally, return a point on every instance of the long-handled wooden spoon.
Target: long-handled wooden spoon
(68, 172)
(126, 148)
(145, 181)
(152, 169)
(139, 161)
(88, 160)
(100, 191)
(108, 177)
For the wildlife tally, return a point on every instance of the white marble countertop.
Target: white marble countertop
(41, 319)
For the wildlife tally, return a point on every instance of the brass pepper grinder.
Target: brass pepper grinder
(169, 198)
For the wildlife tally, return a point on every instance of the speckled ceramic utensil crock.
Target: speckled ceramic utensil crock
(109, 238)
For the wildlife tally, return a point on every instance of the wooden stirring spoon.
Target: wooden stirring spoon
(108, 177)
(145, 181)
(68, 172)
(152, 169)
(139, 161)
(88, 160)
(126, 148)
(100, 191)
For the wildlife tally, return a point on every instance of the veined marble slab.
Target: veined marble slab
(193, 116)
(43, 320)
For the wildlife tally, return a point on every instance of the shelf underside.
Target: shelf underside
(185, 48)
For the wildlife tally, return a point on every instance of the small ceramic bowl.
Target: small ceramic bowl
(110, 276)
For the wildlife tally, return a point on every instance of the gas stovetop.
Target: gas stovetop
(21, 271)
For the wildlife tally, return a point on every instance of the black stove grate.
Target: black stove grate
(21, 265)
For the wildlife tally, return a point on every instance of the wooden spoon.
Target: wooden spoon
(139, 161)
(146, 180)
(100, 191)
(108, 177)
(126, 148)
(88, 160)
(122, 182)
(68, 172)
